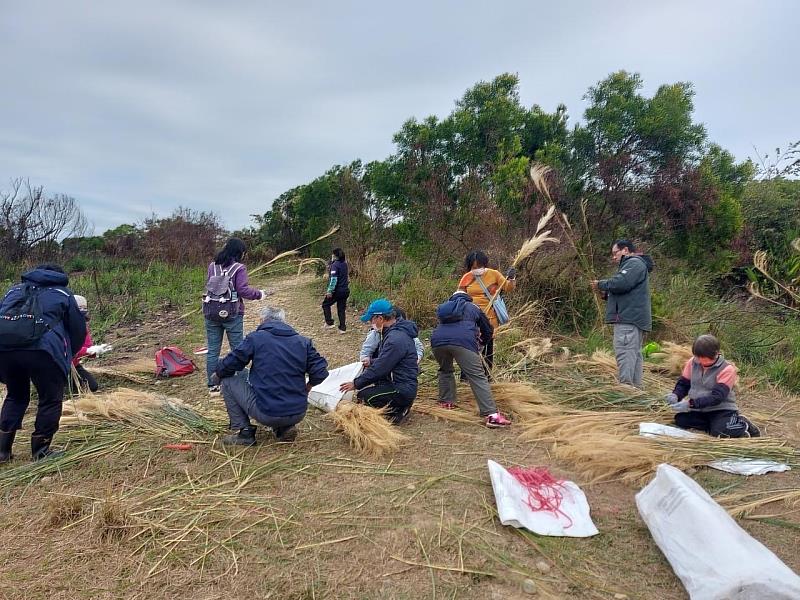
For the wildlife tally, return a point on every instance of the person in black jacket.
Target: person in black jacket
(391, 378)
(338, 290)
(462, 328)
(45, 362)
(274, 392)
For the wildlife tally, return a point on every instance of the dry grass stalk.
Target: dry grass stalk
(112, 520)
(119, 404)
(743, 504)
(140, 364)
(539, 173)
(62, 510)
(367, 429)
(458, 415)
(133, 378)
(675, 357)
(532, 245)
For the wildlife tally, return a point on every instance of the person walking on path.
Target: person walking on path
(42, 329)
(390, 380)
(462, 328)
(227, 287)
(704, 396)
(338, 290)
(627, 296)
(274, 391)
(482, 283)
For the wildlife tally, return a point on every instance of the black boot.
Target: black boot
(285, 434)
(6, 442)
(40, 447)
(245, 437)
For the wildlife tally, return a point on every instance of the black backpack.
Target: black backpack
(22, 323)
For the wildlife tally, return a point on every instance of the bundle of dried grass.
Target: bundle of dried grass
(743, 504)
(604, 363)
(121, 403)
(132, 377)
(673, 360)
(367, 429)
(457, 415)
(139, 364)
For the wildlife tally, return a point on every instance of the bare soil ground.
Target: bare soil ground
(313, 520)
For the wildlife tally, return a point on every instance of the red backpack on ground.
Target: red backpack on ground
(172, 362)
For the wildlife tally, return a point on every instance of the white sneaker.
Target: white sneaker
(341, 331)
(326, 326)
(213, 390)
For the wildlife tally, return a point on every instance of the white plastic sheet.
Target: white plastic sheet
(714, 558)
(737, 466)
(511, 495)
(326, 396)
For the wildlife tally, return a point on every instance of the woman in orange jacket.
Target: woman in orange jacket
(477, 272)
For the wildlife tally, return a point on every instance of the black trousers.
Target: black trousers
(87, 378)
(18, 368)
(380, 395)
(340, 300)
(719, 423)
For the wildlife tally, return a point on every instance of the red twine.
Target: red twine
(545, 492)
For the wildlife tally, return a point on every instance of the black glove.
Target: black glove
(214, 379)
(511, 273)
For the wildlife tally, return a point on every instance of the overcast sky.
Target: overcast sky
(133, 107)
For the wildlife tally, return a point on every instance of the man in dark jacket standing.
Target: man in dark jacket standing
(391, 378)
(338, 290)
(628, 308)
(274, 392)
(462, 328)
(45, 359)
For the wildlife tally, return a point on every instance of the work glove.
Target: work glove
(266, 293)
(681, 406)
(511, 273)
(214, 379)
(99, 349)
(671, 398)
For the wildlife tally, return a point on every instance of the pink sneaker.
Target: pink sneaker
(497, 421)
(446, 405)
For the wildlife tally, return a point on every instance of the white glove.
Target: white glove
(99, 349)
(671, 398)
(266, 293)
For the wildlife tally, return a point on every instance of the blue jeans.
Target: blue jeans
(214, 333)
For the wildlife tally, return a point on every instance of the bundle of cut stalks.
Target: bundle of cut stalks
(744, 504)
(604, 446)
(132, 377)
(367, 429)
(603, 362)
(672, 359)
(465, 414)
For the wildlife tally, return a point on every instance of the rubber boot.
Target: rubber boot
(40, 447)
(6, 443)
(285, 434)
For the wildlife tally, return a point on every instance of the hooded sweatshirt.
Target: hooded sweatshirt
(281, 359)
(468, 332)
(629, 292)
(396, 363)
(60, 312)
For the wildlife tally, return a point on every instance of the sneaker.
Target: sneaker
(213, 390)
(399, 417)
(497, 421)
(752, 430)
(326, 326)
(341, 331)
(446, 405)
(245, 437)
(289, 434)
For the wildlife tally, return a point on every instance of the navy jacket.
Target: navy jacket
(59, 310)
(473, 328)
(339, 271)
(396, 363)
(281, 358)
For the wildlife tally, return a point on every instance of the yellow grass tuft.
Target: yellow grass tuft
(674, 360)
(367, 429)
(539, 173)
(532, 245)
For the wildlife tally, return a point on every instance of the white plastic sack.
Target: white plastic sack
(326, 396)
(513, 510)
(737, 466)
(713, 557)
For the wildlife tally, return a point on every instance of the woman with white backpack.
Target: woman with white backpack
(227, 288)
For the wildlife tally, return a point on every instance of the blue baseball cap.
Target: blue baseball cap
(378, 308)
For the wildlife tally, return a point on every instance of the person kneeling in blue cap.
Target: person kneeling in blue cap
(390, 380)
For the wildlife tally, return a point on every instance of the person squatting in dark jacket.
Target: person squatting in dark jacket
(704, 397)
(45, 362)
(391, 378)
(338, 290)
(274, 391)
(628, 308)
(462, 329)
